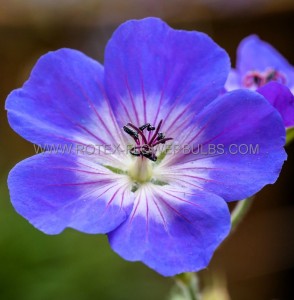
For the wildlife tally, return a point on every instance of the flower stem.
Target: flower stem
(240, 211)
(289, 135)
(186, 287)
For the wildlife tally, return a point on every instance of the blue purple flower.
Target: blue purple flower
(162, 201)
(261, 67)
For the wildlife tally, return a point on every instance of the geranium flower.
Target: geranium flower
(261, 67)
(281, 98)
(159, 88)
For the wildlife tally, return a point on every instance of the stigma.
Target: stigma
(145, 144)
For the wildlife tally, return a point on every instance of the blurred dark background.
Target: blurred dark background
(255, 263)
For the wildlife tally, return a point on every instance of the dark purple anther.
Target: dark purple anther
(132, 133)
(160, 136)
(135, 151)
(145, 147)
(148, 126)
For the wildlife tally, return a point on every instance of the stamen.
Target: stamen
(156, 132)
(132, 133)
(160, 136)
(255, 79)
(139, 132)
(135, 151)
(162, 141)
(148, 126)
(148, 152)
(144, 126)
(274, 75)
(144, 147)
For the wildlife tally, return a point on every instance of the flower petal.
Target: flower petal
(154, 72)
(234, 149)
(254, 54)
(172, 230)
(281, 98)
(57, 191)
(234, 81)
(63, 102)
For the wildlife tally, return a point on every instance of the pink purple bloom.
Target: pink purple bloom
(159, 87)
(281, 98)
(261, 67)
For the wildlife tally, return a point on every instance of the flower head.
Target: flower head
(261, 67)
(157, 191)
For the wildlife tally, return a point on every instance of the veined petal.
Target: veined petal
(63, 102)
(57, 191)
(234, 149)
(172, 230)
(254, 54)
(153, 72)
(281, 98)
(168, 213)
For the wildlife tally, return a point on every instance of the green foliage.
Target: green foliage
(289, 135)
(69, 266)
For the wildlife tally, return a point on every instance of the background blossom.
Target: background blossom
(259, 64)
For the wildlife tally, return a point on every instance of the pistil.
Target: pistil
(141, 170)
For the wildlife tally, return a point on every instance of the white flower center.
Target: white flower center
(141, 170)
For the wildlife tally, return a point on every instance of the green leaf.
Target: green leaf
(115, 170)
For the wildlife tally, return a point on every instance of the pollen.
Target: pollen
(144, 150)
